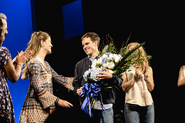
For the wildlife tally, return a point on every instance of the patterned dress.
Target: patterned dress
(40, 99)
(6, 106)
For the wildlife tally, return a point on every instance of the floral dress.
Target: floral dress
(6, 106)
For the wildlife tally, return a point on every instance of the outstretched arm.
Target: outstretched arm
(65, 81)
(45, 97)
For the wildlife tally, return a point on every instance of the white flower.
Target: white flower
(96, 63)
(99, 61)
(105, 56)
(86, 74)
(110, 65)
(105, 65)
(111, 56)
(117, 58)
(94, 73)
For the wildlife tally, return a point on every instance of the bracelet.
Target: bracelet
(56, 101)
(17, 64)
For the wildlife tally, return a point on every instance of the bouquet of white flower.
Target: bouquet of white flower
(115, 63)
(108, 61)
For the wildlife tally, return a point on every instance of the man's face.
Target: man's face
(5, 25)
(89, 46)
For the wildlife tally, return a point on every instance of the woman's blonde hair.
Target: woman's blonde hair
(34, 46)
(142, 54)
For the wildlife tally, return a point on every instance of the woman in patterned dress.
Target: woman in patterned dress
(8, 70)
(40, 101)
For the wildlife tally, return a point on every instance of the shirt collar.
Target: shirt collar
(90, 58)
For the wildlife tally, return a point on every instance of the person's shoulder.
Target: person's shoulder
(4, 49)
(150, 68)
(34, 61)
(4, 52)
(47, 64)
(182, 68)
(82, 61)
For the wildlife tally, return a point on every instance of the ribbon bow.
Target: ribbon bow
(92, 90)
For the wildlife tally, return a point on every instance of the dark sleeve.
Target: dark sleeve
(76, 81)
(117, 81)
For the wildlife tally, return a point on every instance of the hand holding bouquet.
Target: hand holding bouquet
(108, 61)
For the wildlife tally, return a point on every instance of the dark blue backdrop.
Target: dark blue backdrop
(73, 19)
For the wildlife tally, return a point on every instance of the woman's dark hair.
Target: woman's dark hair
(1, 26)
(1, 32)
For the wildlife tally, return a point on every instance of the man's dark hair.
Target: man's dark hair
(92, 35)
